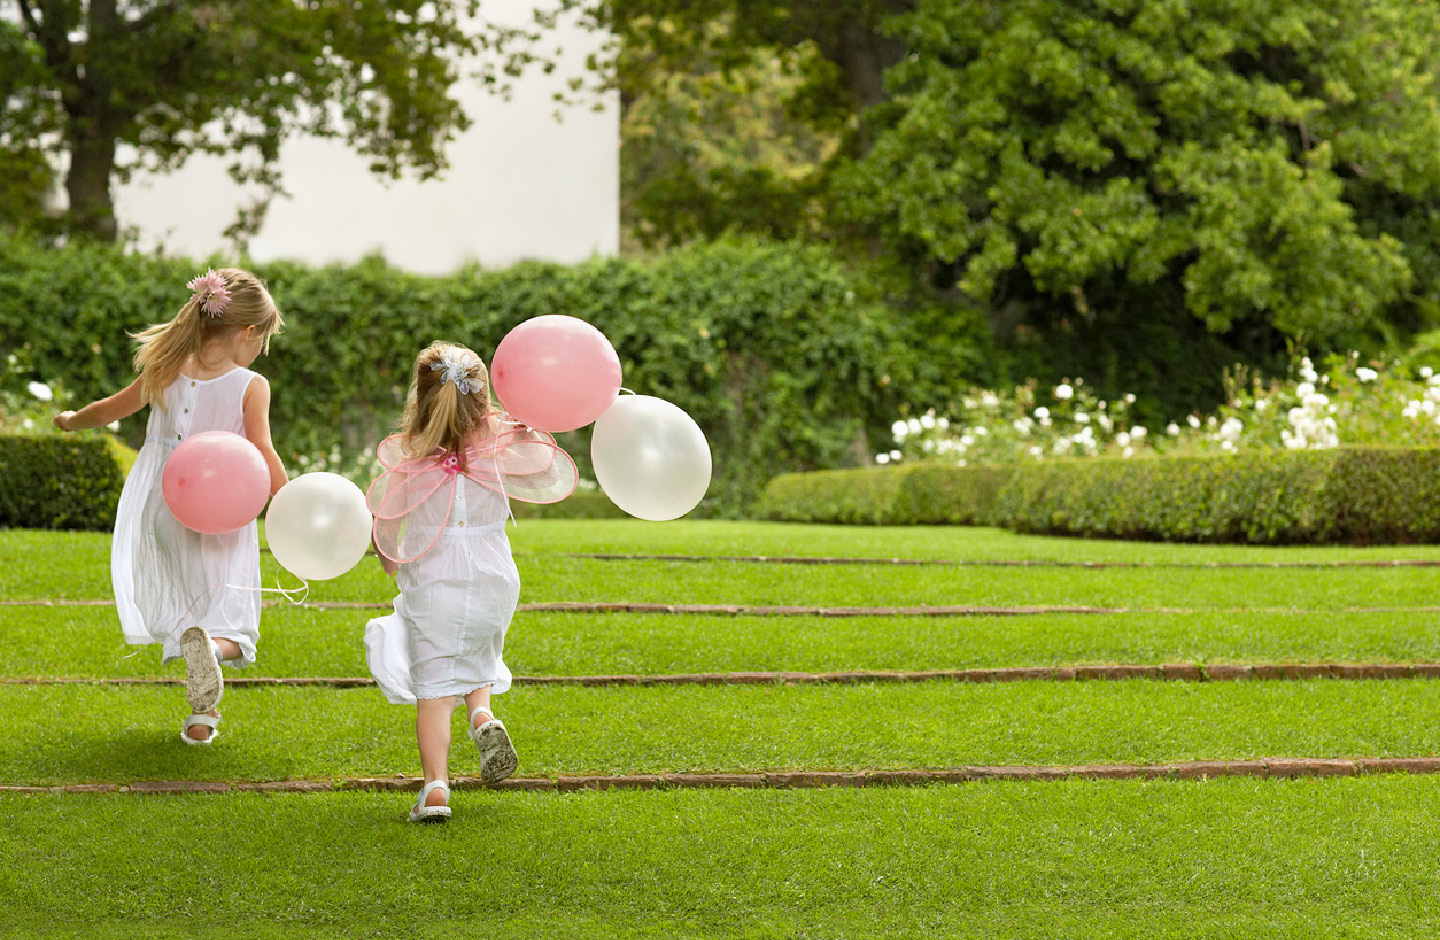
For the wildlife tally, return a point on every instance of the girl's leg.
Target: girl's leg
(432, 731)
(229, 649)
(474, 700)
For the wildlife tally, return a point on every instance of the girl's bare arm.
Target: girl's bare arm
(256, 408)
(97, 414)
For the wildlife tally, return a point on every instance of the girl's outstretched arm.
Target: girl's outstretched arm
(256, 408)
(97, 414)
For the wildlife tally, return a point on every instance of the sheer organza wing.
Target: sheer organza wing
(410, 502)
(534, 468)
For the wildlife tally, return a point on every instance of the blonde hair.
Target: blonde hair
(165, 347)
(436, 414)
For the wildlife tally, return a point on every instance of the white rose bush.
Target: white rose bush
(1341, 402)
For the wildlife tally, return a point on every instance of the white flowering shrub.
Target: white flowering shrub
(1023, 423)
(1343, 402)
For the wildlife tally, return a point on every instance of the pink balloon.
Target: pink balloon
(555, 373)
(215, 482)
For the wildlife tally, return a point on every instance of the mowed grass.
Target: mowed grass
(85, 642)
(1309, 858)
(71, 566)
(125, 734)
(1350, 858)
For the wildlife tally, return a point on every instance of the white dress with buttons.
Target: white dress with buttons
(168, 577)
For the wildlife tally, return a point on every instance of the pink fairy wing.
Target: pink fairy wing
(407, 521)
(522, 464)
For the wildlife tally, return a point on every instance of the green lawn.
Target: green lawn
(1350, 857)
(85, 642)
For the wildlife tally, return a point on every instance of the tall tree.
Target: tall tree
(720, 144)
(1254, 158)
(734, 109)
(162, 80)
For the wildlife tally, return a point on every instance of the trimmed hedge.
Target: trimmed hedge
(1353, 495)
(785, 360)
(910, 495)
(1356, 495)
(54, 482)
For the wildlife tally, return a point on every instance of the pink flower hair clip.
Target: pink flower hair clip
(211, 291)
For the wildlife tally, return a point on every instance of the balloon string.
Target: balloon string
(303, 590)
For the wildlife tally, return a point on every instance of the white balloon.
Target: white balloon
(318, 526)
(650, 458)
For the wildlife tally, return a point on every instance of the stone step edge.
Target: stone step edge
(1175, 672)
(1276, 768)
(989, 562)
(788, 610)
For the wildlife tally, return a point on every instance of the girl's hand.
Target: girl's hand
(62, 420)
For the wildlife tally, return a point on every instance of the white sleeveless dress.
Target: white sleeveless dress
(444, 521)
(168, 577)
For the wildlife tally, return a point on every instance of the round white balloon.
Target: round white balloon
(318, 526)
(650, 458)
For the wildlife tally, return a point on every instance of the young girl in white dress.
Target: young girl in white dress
(196, 595)
(440, 509)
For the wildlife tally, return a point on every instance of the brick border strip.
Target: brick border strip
(1275, 768)
(987, 562)
(1174, 672)
(790, 610)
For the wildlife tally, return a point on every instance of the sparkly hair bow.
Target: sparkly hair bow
(457, 369)
(210, 289)
(413, 498)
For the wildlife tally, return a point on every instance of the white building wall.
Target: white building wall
(521, 185)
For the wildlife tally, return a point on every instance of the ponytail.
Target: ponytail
(438, 415)
(164, 347)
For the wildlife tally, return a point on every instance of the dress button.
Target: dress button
(462, 523)
(192, 384)
(179, 437)
(187, 411)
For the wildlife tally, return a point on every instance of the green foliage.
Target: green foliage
(783, 360)
(923, 494)
(26, 114)
(717, 141)
(52, 482)
(581, 504)
(1356, 495)
(1202, 146)
(1351, 494)
(233, 78)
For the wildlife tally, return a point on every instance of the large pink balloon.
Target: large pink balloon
(215, 482)
(555, 373)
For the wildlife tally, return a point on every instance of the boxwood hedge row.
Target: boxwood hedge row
(1354, 495)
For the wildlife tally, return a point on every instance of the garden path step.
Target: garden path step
(1183, 672)
(788, 610)
(990, 562)
(1280, 768)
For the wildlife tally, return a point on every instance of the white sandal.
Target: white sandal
(431, 814)
(209, 721)
(203, 682)
(498, 759)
